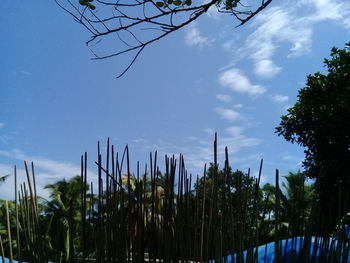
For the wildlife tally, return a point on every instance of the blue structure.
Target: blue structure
(290, 250)
(14, 261)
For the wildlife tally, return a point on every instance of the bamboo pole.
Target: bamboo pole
(9, 231)
(2, 251)
(17, 219)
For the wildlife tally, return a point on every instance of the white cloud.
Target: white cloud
(199, 151)
(235, 80)
(140, 140)
(279, 98)
(21, 72)
(336, 10)
(228, 114)
(236, 139)
(228, 45)
(47, 171)
(236, 143)
(291, 22)
(281, 24)
(209, 131)
(266, 68)
(223, 98)
(213, 12)
(274, 26)
(194, 38)
(234, 131)
(238, 106)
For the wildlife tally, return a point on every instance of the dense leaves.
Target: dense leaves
(63, 211)
(296, 198)
(319, 121)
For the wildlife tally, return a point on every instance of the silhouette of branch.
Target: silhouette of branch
(129, 19)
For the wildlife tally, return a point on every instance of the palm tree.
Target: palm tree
(3, 223)
(296, 199)
(64, 208)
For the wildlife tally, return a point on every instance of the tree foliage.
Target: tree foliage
(296, 199)
(63, 211)
(319, 121)
(236, 197)
(127, 20)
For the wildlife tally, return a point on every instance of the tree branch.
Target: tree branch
(162, 17)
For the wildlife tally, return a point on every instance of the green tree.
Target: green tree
(4, 227)
(296, 200)
(3, 222)
(319, 121)
(126, 20)
(231, 202)
(64, 207)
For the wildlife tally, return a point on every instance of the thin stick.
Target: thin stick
(2, 251)
(17, 222)
(9, 231)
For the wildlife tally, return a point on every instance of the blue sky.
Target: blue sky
(56, 103)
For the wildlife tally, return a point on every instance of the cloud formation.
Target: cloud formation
(228, 114)
(199, 151)
(292, 23)
(235, 80)
(279, 98)
(194, 38)
(47, 171)
(266, 68)
(224, 98)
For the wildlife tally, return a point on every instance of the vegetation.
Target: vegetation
(152, 216)
(127, 20)
(318, 122)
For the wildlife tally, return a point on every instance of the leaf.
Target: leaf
(83, 2)
(188, 2)
(177, 2)
(160, 4)
(92, 7)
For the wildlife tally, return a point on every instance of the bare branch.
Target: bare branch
(132, 18)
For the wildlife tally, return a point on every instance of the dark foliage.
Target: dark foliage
(319, 121)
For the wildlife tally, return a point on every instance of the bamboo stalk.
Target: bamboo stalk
(144, 220)
(17, 218)
(9, 231)
(2, 251)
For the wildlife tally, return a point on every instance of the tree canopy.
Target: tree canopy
(127, 20)
(319, 121)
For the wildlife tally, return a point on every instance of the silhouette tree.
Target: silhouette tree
(296, 199)
(64, 207)
(319, 121)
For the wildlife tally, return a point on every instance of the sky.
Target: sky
(56, 103)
